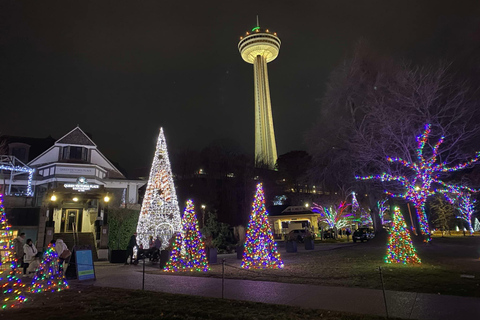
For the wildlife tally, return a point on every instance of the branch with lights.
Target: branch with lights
(260, 248)
(420, 185)
(335, 217)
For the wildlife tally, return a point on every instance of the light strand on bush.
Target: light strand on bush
(400, 248)
(419, 186)
(188, 252)
(48, 276)
(260, 248)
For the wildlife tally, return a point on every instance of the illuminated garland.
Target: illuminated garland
(426, 172)
(400, 248)
(160, 215)
(334, 217)
(13, 287)
(188, 252)
(48, 277)
(382, 210)
(260, 249)
(23, 169)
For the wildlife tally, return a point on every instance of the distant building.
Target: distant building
(284, 219)
(72, 185)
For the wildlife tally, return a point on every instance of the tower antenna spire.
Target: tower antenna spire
(258, 24)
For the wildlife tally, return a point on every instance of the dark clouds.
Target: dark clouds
(122, 69)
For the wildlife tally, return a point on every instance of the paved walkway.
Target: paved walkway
(406, 305)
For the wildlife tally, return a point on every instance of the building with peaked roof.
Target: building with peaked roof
(73, 184)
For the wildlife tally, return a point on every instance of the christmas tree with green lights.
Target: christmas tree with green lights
(400, 248)
(260, 249)
(48, 276)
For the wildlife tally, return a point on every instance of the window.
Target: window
(75, 153)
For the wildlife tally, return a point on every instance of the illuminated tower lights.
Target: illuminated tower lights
(259, 47)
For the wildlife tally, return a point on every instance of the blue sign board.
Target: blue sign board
(85, 268)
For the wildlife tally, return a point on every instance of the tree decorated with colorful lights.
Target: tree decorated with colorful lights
(400, 248)
(160, 215)
(355, 204)
(48, 277)
(11, 285)
(188, 253)
(426, 173)
(463, 201)
(260, 249)
(335, 217)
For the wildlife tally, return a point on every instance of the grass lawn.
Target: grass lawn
(87, 302)
(356, 265)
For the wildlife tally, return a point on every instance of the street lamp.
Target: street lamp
(203, 214)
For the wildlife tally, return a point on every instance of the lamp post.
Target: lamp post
(203, 215)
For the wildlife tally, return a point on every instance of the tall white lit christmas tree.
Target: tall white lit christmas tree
(160, 215)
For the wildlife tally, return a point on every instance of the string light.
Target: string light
(476, 226)
(426, 173)
(160, 215)
(188, 253)
(23, 169)
(400, 248)
(382, 210)
(463, 201)
(334, 217)
(260, 249)
(13, 287)
(48, 276)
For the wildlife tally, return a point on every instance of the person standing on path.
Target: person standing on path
(131, 244)
(18, 248)
(30, 253)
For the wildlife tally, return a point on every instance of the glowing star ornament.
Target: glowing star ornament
(260, 249)
(400, 248)
(425, 174)
(48, 276)
(188, 253)
(160, 215)
(334, 217)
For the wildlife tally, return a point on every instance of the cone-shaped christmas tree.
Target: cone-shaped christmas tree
(476, 226)
(160, 215)
(260, 249)
(48, 277)
(188, 253)
(400, 248)
(11, 284)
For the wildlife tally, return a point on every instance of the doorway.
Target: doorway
(71, 220)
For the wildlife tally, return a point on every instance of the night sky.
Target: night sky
(122, 69)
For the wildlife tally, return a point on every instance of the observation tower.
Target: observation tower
(259, 47)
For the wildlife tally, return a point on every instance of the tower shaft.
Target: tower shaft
(265, 146)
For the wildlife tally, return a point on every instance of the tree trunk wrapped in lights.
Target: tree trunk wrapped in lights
(260, 249)
(400, 248)
(11, 285)
(188, 252)
(48, 276)
(160, 215)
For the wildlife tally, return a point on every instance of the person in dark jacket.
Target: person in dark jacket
(131, 244)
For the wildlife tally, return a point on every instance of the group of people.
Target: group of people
(28, 257)
(152, 244)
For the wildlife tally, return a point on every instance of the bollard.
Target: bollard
(223, 278)
(383, 289)
(143, 279)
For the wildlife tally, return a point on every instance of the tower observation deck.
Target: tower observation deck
(259, 47)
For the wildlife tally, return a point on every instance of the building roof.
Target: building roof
(286, 210)
(37, 145)
(76, 137)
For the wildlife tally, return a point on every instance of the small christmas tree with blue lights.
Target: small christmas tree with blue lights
(400, 247)
(188, 252)
(260, 249)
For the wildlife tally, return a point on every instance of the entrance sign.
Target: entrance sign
(85, 268)
(82, 185)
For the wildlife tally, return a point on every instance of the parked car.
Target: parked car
(363, 234)
(298, 235)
